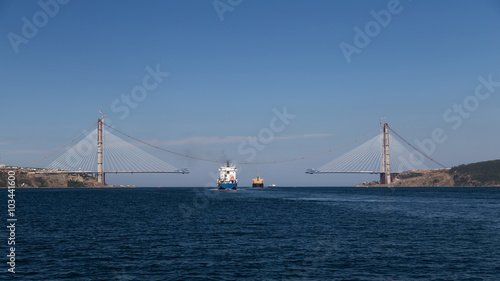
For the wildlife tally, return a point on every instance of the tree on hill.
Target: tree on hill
(477, 174)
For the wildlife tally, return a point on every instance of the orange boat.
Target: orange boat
(258, 182)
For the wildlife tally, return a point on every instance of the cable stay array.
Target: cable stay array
(364, 158)
(119, 157)
(368, 158)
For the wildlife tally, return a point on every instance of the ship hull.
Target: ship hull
(257, 185)
(223, 186)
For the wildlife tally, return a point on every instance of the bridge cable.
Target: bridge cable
(30, 165)
(241, 163)
(163, 149)
(408, 143)
(312, 155)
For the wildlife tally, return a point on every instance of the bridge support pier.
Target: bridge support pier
(384, 176)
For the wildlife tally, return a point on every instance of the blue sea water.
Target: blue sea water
(306, 233)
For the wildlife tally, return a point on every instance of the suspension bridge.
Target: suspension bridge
(376, 156)
(109, 154)
(101, 151)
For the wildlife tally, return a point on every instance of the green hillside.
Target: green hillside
(485, 173)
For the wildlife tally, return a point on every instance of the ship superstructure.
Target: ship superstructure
(258, 182)
(227, 177)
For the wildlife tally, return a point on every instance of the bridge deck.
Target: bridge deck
(112, 172)
(344, 172)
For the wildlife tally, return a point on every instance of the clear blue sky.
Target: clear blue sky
(226, 76)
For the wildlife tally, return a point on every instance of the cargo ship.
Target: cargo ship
(258, 182)
(227, 177)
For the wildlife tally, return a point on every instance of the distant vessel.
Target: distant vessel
(258, 182)
(271, 185)
(227, 177)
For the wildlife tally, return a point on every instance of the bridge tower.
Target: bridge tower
(386, 165)
(100, 174)
(386, 177)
